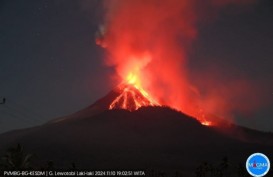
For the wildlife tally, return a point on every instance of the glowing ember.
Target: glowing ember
(206, 123)
(200, 115)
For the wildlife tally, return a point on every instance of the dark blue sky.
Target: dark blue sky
(51, 67)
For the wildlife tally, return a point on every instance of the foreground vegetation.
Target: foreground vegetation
(15, 158)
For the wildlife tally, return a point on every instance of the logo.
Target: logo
(257, 165)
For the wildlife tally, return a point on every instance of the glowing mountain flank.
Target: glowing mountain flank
(131, 98)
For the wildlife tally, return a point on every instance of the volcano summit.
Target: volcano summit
(130, 98)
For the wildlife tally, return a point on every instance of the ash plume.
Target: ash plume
(151, 39)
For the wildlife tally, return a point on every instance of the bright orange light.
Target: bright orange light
(132, 95)
(149, 47)
(131, 98)
(206, 123)
(131, 78)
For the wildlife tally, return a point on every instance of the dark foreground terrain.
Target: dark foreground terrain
(155, 138)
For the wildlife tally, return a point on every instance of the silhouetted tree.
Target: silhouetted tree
(16, 159)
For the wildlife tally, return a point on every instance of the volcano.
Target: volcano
(130, 98)
(125, 96)
(102, 136)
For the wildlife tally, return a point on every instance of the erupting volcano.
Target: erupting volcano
(131, 98)
(131, 95)
(147, 58)
(148, 46)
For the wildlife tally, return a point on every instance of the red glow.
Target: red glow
(131, 98)
(131, 95)
(148, 42)
(207, 123)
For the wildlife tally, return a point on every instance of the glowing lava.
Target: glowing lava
(132, 96)
(206, 123)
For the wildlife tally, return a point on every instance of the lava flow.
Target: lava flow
(131, 96)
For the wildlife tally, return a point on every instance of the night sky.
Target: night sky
(50, 65)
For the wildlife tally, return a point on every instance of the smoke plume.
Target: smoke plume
(151, 38)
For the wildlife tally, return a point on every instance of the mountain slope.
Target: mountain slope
(151, 137)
